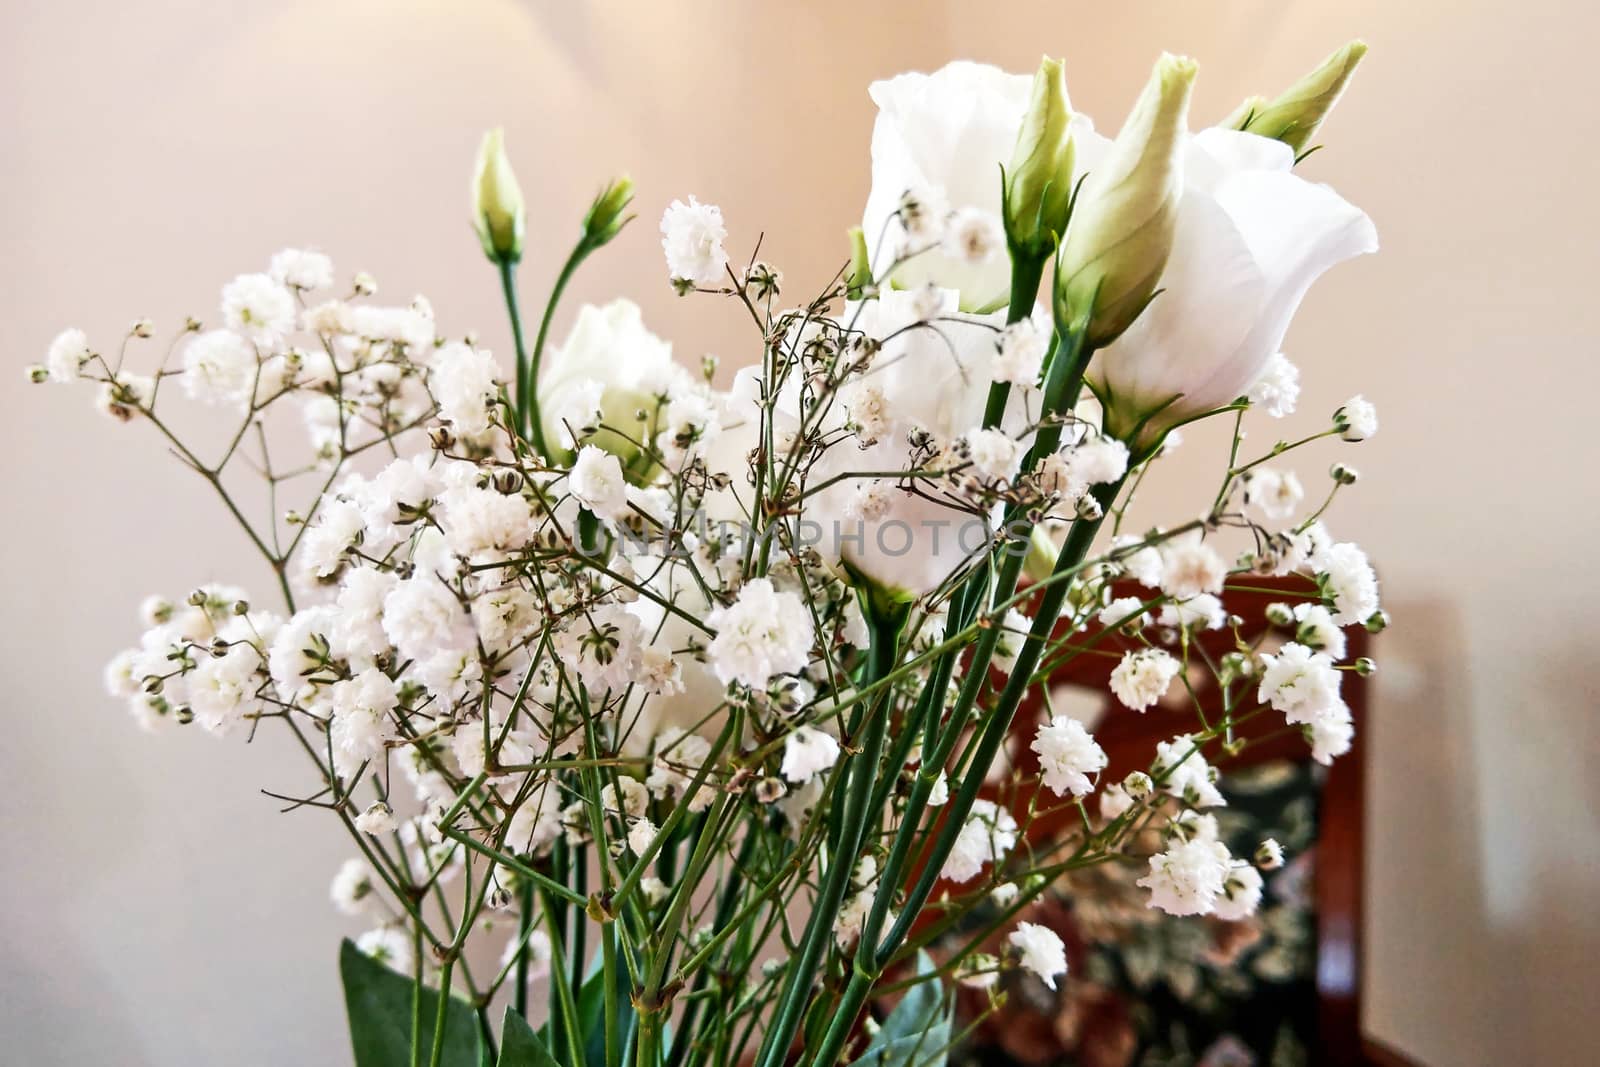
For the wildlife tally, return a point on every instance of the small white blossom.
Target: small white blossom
(389, 945)
(973, 235)
(1274, 495)
(1043, 952)
(1187, 774)
(1299, 682)
(807, 753)
(1143, 565)
(361, 719)
(1068, 755)
(763, 633)
(1114, 801)
(1203, 611)
(1127, 612)
(377, 819)
(258, 308)
(1269, 855)
(923, 213)
(1357, 420)
(1331, 733)
(994, 455)
(1350, 582)
(1278, 389)
(299, 269)
(597, 481)
(1189, 876)
(692, 236)
(1241, 894)
(866, 408)
(353, 887)
(1021, 353)
(1142, 677)
(986, 837)
(220, 367)
(465, 382)
(67, 355)
(641, 835)
(1190, 567)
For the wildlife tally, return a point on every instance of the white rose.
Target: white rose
(947, 134)
(1251, 238)
(935, 379)
(610, 368)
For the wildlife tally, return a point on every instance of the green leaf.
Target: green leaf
(916, 1032)
(378, 1000)
(520, 1046)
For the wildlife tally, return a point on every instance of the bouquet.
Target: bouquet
(668, 721)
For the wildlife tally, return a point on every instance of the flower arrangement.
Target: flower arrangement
(683, 708)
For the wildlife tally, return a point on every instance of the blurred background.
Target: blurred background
(158, 909)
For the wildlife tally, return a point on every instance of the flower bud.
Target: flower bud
(1269, 855)
(1366, 666)
(497, 211)
(1294, 116)
(38, 374)
(605, 218)
(1239, 118)
(1138, 785)
(1038, 187)
(1377, 622)
(860, 278)
(1119, 240)
(1280, 614)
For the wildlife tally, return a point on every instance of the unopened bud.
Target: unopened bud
(1366, 666)
(1269, 855)
(1122, 229)
(184, 714)
(1343, 474)
(1377, 622)
(606, 217)
(37, 373)
(860, 278)
(1280, 614)
(1138, 785)
(498, 214)
(1295, 115)
(1038, 189)
(142, 328)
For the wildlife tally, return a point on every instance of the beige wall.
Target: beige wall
(159, 911)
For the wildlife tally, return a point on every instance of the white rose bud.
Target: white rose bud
(1121, 235)
(1295, 115)
(497, 210)
(1039, 179)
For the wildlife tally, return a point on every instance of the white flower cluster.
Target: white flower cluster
(774, 635)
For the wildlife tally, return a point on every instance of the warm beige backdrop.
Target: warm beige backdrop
(159, 912)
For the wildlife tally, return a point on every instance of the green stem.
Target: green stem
(524, 931)
(863, 770)
(1025, 274)
(437, 1054)
(521, 391)
(416, 999)
(528, 385)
